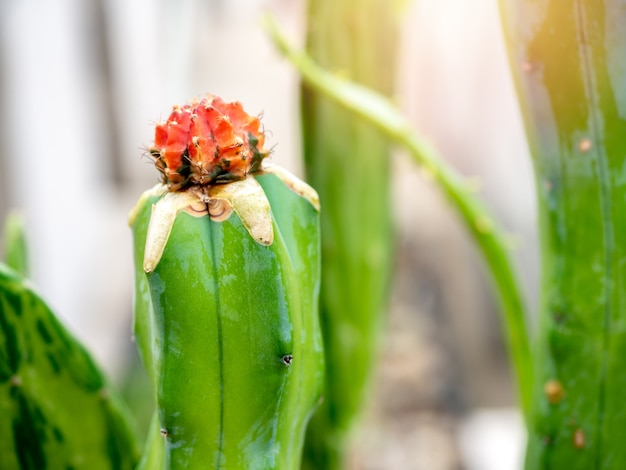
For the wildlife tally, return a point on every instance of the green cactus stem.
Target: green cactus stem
(568, 59)
(383, 115)
(347, 161)
(154, 450)
(56, 408)
(227, 322)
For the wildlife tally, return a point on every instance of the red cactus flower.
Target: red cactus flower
(206, 142)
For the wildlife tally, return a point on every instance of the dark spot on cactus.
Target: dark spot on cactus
(11, 346)
(43, 331)
(585, 145)
(546, 440)
(579, 438)
(287, 359)
(58, 435)
(559, 317)
(104, 394)
(15, 381)
(28, 433)
(554, 391)
(15, 303)
(56, 368)
(164, 433)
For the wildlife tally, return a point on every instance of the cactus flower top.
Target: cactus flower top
(207, 141)
(203, 143)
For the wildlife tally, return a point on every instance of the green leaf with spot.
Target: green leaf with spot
(568, 59)
(56, 408)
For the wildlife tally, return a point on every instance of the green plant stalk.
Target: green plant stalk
(56, 408)
(347, 161)
(16, 249)
(143, 326)
(384, 116)
(143, 313)
(154, 451)
(233, 341)
(568, 59)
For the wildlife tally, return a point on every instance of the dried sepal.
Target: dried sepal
(294, 183)
(164, 214)
(251, 205)
(245, 197)
(219, 209)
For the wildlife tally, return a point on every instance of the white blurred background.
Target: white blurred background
(82, 83)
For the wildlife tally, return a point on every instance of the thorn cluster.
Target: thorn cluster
(208, 141)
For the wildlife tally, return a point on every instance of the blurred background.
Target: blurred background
(82, 83)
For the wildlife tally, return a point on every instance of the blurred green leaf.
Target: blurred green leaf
(15, 246)
(568, 58)
(56, 408)
(348, 162)
(379, 111)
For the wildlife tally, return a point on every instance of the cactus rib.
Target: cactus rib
(227, 279)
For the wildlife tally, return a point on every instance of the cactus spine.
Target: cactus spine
(227, 283)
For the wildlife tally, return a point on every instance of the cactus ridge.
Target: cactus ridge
(223, 316)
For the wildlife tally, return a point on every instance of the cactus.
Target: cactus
(56, 408)
(377, 110)
(568, 59)
(348, 162)
(227, 263)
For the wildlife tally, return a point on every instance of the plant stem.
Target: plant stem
(347, 161)
(568, 60)
(383, 115)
